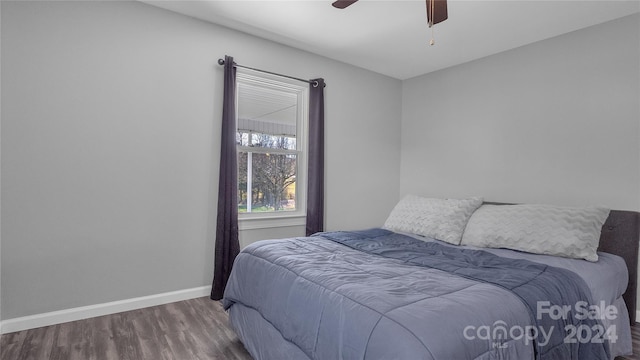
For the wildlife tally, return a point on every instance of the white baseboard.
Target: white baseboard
(85, 312)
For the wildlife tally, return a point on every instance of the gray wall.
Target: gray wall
(553, 122)
(110, 128)
(556, 121)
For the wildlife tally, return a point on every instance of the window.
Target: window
(270, 139)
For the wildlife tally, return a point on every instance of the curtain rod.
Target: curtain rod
(314, 83)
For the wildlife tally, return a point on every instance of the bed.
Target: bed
(390, 294)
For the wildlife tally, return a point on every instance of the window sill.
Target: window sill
(254, 223)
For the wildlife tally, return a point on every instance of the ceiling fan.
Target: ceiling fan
(436, 10)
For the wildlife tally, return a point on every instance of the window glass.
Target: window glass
(269, 127)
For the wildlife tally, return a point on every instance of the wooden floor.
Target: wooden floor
(635, 338)
(185, 330)
(195, 329)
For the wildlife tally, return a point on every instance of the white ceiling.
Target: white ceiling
(392, 38)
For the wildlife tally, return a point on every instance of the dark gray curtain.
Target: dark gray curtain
(315, 186)
(227, 245)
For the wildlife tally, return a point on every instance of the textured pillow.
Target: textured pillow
(442, 219)
(539, 229)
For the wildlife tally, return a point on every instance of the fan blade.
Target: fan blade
(341, 4)
(439, 11)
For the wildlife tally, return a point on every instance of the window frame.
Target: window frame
(260, 220)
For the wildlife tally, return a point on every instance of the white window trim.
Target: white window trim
(261, 220)
(271, 222)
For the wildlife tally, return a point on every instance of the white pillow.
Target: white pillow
(539, 229)
(442, 219)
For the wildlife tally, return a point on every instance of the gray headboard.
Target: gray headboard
(620, 236)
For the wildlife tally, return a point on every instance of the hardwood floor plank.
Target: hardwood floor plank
(10, 344)
(126, 339)
(635, 339)
(153, 343)
(101, 343)
(60, 347)
(37, 344)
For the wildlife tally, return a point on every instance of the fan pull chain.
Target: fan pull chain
(432, 41)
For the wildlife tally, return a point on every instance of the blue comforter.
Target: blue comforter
(380, 295)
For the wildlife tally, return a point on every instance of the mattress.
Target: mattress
(318, 299)
(607, 278)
